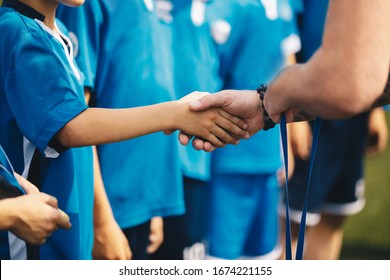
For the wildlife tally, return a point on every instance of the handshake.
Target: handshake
(221, 118)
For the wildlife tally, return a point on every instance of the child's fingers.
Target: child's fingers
(233, 124)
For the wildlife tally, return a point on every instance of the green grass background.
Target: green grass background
(367, 234)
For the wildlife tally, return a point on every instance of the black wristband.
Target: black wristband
(268, 122)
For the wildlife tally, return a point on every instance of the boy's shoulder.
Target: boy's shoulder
(15, 24)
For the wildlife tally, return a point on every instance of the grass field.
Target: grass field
(367, 234)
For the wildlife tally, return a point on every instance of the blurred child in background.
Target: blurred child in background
(195, 67)
(254, 39)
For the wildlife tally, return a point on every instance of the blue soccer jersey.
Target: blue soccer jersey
(196, 68)
(40, 91)
(250, 55)
(124, 52)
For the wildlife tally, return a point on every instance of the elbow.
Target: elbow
(355, 93)
(365, 90)
(67, 136)
(351, 85)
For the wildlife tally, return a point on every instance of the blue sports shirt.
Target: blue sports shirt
(40, 91)
(249, 39)
(196, 68)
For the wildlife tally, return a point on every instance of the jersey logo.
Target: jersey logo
(149, 5)
(220, 31)
(198, 11)
(163, 10)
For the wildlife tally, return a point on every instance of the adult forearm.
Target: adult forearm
(348, 72)
(323, 97)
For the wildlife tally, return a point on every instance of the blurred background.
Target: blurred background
(367, 234)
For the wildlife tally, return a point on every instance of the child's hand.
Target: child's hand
(156, 236)
(193, 96)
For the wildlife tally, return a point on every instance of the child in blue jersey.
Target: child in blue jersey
(137, 73)
(253, 42)
(195, 67)
(337, 183)
(44, 115)
(15, 210)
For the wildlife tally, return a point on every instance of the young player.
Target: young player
(195, 67)
(253, 41)
(44, 114)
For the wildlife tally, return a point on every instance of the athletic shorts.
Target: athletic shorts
(337, 183)
(184, 234)
(138, 238)
(243, 220)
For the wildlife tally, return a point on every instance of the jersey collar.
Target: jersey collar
(23, 9)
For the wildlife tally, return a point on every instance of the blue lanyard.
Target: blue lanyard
(302, 227)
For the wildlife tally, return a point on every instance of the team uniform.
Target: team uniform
(196, 67)
(337, 183)
(123, 50)
(252, 41)
(41, 90)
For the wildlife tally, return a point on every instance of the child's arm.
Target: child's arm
(110, 242)
(96, 126)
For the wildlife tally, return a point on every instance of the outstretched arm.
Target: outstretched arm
(98, 126)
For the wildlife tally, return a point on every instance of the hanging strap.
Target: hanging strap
(302, 227)
(283, 131)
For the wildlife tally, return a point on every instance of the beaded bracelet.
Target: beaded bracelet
(268, 122)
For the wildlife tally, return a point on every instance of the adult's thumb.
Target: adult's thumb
(201, 104)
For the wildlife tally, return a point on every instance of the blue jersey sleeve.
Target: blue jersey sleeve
(41, 89)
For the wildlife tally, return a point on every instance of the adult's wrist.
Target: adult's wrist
(268, 122)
